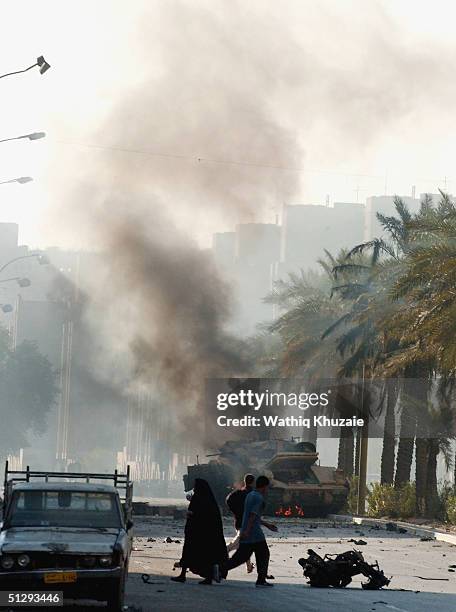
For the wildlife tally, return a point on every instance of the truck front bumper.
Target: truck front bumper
(89, 583)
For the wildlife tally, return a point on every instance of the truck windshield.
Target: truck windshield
(63, 509)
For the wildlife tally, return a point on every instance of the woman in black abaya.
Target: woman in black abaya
(204, 545)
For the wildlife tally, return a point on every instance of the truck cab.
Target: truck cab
(61, 534)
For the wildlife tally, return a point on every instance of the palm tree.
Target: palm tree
(364, 342)
(308, 309)
(376, 338)
(385, 309)
(425, 328)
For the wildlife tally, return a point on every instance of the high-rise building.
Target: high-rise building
(223, 248)
(384, 205)
(257, 248)
(9, 233)
(257, 254)
(257, 243)
(308, 230)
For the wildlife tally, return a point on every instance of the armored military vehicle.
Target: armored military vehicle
(299, 487)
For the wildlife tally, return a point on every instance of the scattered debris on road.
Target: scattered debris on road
(167, 540)
(358, 542)
(391, 527)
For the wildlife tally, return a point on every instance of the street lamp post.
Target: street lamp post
(22, 282)
(40, 62)
(42, 259)
(32, 136)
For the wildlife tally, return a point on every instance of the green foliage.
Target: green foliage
(307, 310)
(447, 499)
(450, 509)
(384, 309)
(383, 500)
(27, 392)
(406, 500)
(352, 501)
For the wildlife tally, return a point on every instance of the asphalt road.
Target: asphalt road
(420, 577)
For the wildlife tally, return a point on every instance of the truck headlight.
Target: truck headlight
(23, 560)
(7, 562)
(105, 561)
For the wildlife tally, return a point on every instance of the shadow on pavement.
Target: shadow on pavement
(242, 596)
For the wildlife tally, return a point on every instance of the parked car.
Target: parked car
(61, 534)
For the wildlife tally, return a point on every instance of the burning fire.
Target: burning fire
(290, 511)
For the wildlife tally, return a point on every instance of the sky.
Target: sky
(337, 98)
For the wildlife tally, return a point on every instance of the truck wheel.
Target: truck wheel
(117, 594)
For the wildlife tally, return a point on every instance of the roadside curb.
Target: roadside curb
(148, 509)
(412, 528)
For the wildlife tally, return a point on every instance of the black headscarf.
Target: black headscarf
(204, 541)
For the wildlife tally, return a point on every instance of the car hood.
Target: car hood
(58, 539)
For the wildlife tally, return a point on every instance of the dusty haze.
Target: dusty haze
(214, 132)
(194, 116)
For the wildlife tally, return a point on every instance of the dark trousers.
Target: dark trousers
(243, 554)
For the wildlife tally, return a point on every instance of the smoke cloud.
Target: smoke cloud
(230, 100)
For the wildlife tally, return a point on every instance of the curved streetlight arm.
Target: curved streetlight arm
(21, 180)
(2, 76)
(39, 255)
(40, 61)
(7, 280)
(32, 136)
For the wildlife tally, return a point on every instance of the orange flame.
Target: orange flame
(296, 510)
(299, 510)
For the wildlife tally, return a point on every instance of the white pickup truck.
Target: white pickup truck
(61, 534)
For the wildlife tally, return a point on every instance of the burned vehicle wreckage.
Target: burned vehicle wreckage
(337, 570)
(68, 532)
(299, 486)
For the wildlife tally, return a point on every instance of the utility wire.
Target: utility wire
(230, 162)
(211, 160)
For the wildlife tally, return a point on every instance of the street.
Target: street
(421, 579)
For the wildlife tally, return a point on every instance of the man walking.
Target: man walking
(236, 502)
(252, 536)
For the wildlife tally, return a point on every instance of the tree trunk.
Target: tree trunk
(432, 495)
(421, 475)
(423, 443)
(404, 461)
(454, 475)
(346, 451)
(310, 434)
(357, 450)
(389, 436)
(407, 434)
(344, 408)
